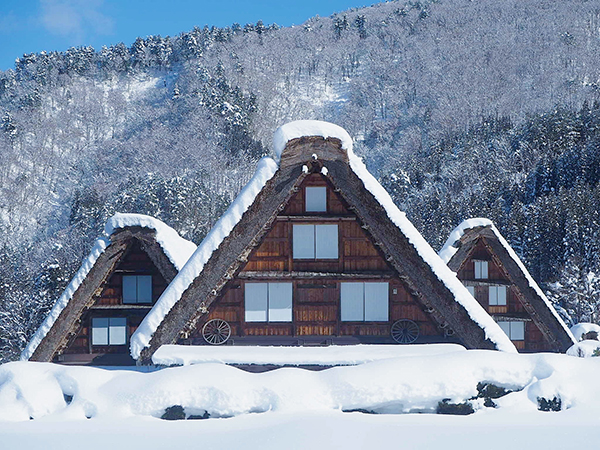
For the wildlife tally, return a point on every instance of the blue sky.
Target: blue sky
(30, 26)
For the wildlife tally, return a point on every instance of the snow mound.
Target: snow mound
(141, 338)
(415, 383)
(177, 249)
(582, 328)
(98, 248)
(584, 349)
(305, 128)
(449, 250)
(334, 355)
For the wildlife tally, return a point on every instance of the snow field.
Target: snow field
(414, 383)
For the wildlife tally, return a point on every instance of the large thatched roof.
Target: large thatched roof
(459, 249)
(427, 277)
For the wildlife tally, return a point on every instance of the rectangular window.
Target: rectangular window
(316, 199)
(109, 331)
(137, 288)
(481, 270)
(515, 330)
(268, 302)
(497, 295)
(364, 302)
(471, 290)
(315, 242)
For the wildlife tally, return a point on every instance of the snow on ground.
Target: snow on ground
(296, 408)
(582, 328)
(333, 355)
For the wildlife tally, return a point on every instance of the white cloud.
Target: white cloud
(75, 18)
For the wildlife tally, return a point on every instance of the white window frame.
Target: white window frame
(109, 331)
(315, 241)
(271, 302)
(138, 280)
(315, 199)
(481, 269)
(497, 295)
(364, 301)
(514, 329)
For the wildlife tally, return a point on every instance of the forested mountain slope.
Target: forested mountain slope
(462, 108)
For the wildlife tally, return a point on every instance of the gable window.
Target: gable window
(364, 302)
(497, 295)
(481, 270)
(109, 331)
(137, 288)
(268, 302)
(471, 290)
(515, 330)
(315, 199)
(315, 242)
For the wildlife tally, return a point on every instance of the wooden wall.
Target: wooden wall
(534, 339)
(316, 287)
(109, 303)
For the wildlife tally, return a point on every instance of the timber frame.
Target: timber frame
(69, 324)
(544, 331)
(303, 158)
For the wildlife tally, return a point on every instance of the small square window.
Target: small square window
(364, 302)
(514, 329)
(137, 289)
(109, 331)
(316, 199)
(315, 242)
(497, 295)
(481, 270)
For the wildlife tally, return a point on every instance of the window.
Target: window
(481, 270)
(109, 331)
(471, 290)
(364, 302)
(137, 288)
(315, 242)
(268, 302)
(515, 330)
(316, 199)
(497, 295)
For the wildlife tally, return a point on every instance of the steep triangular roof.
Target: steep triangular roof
(305, 147)
(167, 250)
(460, 245)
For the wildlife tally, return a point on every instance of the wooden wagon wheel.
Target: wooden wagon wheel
(216, 331)
(405, 331)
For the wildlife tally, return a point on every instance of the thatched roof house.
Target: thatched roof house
(497, 278)
(117, 284)
(314, 251)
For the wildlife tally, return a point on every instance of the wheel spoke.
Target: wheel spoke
(216, 331)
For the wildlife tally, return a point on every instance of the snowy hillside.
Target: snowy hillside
(540, 399)
(460, 108)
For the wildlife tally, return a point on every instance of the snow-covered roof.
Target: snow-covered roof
(177, 249)
(98, 248)
(303, 128)
(450, 248)
(266, 169)
(140, 339)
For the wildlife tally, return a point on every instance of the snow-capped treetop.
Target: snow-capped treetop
(177, 249)
(141, 338)
(305, 128)
(449, 249)
(582, 328)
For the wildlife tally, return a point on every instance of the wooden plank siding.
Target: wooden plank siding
(534, 339)
(109, 303)
(316, 283)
